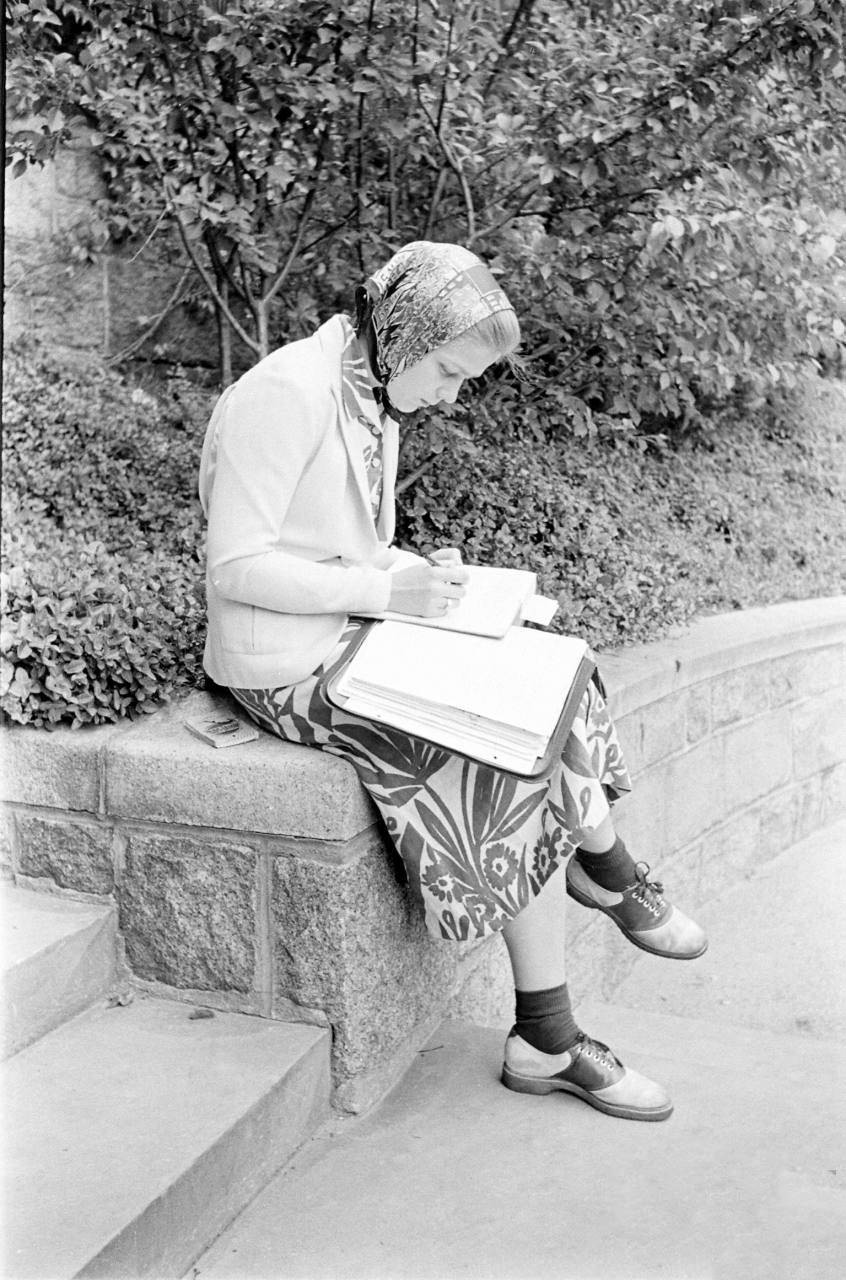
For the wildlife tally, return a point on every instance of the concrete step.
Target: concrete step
(57, 958)
(135, 1134)
(456, 1177)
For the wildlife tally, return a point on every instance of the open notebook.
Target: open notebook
(506, 702)
(496, 598)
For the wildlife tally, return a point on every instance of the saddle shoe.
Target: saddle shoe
(640, 912)
(589, 1070)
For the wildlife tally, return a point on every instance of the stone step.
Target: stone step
(135, 1134)
(453, 1176)
(57, 958)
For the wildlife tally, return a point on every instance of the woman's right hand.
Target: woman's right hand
(427, 591)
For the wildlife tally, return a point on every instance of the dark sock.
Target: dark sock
(545, 1020)
(614, 869)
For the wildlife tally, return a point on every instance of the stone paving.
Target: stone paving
(454, 1177)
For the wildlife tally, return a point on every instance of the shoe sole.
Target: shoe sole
(633, 938)
(531, 1084)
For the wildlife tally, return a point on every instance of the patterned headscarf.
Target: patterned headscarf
(427, 294)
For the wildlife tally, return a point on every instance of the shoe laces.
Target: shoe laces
(585, 1047)
(647, 892)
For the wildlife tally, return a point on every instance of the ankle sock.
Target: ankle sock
(544, 1019)
(614, 869)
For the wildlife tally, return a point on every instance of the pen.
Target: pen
(439, 564)
(436, 564)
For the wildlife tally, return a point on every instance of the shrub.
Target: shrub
(105, 459)
(635, 537)
(102, 594)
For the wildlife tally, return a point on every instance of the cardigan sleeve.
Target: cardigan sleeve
(247, 487)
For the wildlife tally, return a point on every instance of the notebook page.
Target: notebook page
(493, 602)
(521, 679)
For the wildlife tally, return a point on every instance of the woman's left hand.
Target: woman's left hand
(445, 556)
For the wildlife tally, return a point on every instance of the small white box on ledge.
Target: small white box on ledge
(222, 730)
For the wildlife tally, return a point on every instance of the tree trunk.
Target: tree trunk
(224, 338)
(263, 318)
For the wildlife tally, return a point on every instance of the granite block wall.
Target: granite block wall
(258, 879)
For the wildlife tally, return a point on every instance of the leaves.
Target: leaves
(591, 150)
(103, 616)
(637, 535)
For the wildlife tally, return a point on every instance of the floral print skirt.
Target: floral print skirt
(478, 843)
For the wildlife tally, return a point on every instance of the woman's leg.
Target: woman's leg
(546, 1051)
(536, 939)
(600, 839)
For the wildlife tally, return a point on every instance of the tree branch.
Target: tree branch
(522, 11)
(246, 288)
(359, 149)
(292, 253)
(207, 280)
(172, 302)
(457, 168)
(445, 80)
(435, 201)
(302, 223)
(418, 471)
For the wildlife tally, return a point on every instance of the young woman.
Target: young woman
(297, 482)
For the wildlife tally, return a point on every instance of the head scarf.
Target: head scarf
(427, 294)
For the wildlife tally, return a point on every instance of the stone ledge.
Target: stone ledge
(256, 878)
(59, 769)
(715, 646)
(152, 769)
(159, 771)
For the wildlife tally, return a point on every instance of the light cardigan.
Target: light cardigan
(292, 548)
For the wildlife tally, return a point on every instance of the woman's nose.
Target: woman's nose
(449, 392)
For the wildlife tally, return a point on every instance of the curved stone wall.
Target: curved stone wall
(735, 735)
(256, 878)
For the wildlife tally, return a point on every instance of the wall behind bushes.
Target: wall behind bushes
(64, 289)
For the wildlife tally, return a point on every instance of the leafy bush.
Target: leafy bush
(102, 457)
(635, 536)
(92, 638)
(102, 586)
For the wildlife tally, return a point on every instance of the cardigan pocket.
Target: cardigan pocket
(250, 629)
(235, 624)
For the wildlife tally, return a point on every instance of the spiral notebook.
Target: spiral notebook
(506, 702)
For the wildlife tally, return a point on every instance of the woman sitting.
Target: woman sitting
(297, 482)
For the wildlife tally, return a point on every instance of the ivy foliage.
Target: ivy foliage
(635, 536)
(103, 621)
(656, 180)
(101, 590)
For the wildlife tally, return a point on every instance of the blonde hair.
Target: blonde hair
(498, 332)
